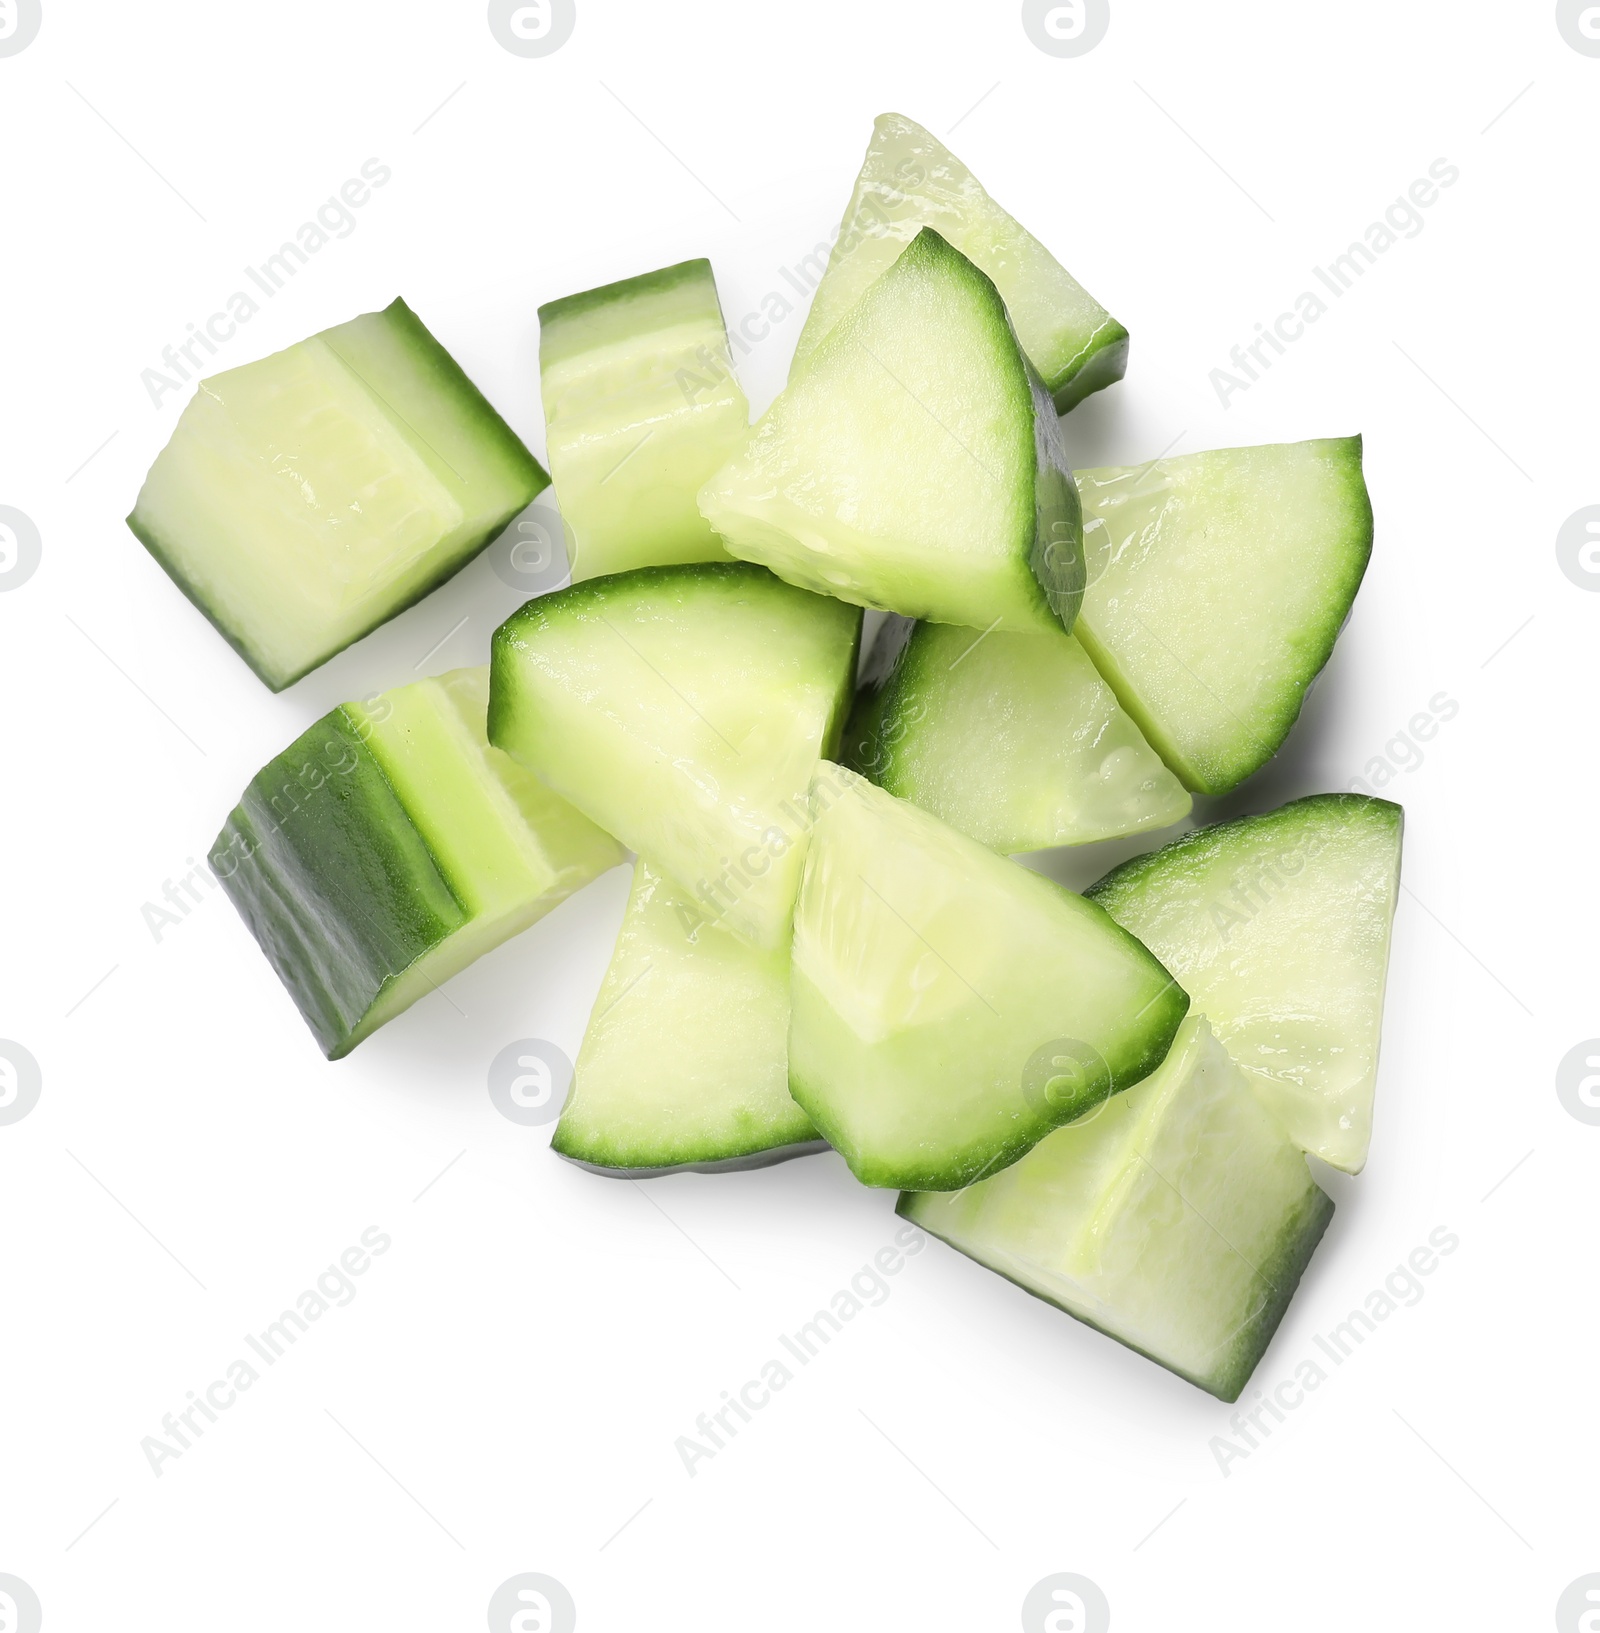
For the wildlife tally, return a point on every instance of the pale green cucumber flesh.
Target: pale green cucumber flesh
(910, 180)
(641, 407)
(685, 1064)
(684, 709)
(1279, 926)
(1218, 584)
(932, 979)
(1014, 740)
(1177, 1218)
(916, 463)
(390, 846)
(306, 498)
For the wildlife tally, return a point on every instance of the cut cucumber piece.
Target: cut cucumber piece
(1012, 739)
(1177, 1220)
(911, 180)
(916, 463)
(935, 984)
(1218, 585)
(1279, 927)
(641, 408)
(306, 498)
(684, 710)
(686, 1061)
(390, 846)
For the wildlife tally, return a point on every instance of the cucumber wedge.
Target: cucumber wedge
(308, 497)
(1014, 740)
(1279, 927)
(1219, 583)
(935, 985)
(911, 180)
(390, 846)
(641, 408)
(685, 1065)
(684, 709)
(1178, 1220)
(916, 463)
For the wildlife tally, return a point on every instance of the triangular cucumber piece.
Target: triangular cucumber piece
(389, 846)
(685, 1065)
(910, 180)
(915, 464)
(1279, 927)
(305, 498)
(641, 407)
(934, 986)
(684, 709)
(1218, 583)
(1177, 1219)
(1014, 740)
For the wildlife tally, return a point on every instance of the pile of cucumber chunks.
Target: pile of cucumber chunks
(1106, 1098)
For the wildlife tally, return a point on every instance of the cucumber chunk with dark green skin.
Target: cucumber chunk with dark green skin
(1219, 583)
(685, 1063)
(308, 497)
(641, 407)
(684, 709)
(915, 464)
(1014, 740)
(389, 846)
(932, 978)
(910, 180)
(1279, 925)
(1177, 1220)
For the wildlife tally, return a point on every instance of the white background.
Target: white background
(505, 1392)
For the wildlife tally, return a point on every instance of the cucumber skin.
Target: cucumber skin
(449, 380)
(746, 1162)
(273, 681)
(1205, 844)
(956, 1169)
(866, 747)
(543, 609)
(1105, 364)
(1299, 1241)
(1055, 555)
(646, 283)
(1179, 866)
(959, 1169)
(1100, 362)
(331, 876)
(1216, 780)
